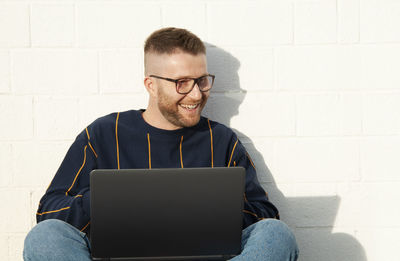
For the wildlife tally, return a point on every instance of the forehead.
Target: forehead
(177, 64)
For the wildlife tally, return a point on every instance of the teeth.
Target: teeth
(187, 106)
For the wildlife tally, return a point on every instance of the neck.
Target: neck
(154, 117)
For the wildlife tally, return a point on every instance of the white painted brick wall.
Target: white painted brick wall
(381, 114)
(4, 72)
(348, 21)
(44, 156)
(319, 160)
(54, 71)
(254, 23)
(328, 114)
(191, 16)
(6, 169)
(14, 25)
(122, 24)
(121, 71)
(54, 117)
(52, 25)
(315, 22)
(311, 86)
(379, 21)
(16, 117)
(16, 204)
(379, 159)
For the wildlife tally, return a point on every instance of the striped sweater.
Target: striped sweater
(125, 141)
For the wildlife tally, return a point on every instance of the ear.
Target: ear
(150, 86)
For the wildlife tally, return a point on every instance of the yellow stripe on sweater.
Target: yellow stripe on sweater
(116, 139)
(148, 141)
(233, 150)
(52, 211)
(79, 171)
(212, 149)
(180, 150)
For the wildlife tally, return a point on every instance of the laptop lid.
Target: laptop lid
(166, 214)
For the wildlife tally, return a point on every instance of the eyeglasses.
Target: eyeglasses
(186, 85)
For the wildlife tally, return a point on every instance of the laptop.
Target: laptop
(166, 214)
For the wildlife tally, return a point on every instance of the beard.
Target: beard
(175, 114)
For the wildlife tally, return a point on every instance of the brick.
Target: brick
(261, 153)
(379, 65)
(316, 160)
(36, 195)
(315, 22)
(351, 114)
(115, 24)
(348, 21)
(368, 205)
(318, 68)
(327, 189)
(381, 114)
(4, 72)
(276, 111)
(35, 163)
(6, 169)
(53, 71)
(379, 161)
(17, 209)
(328, 114)
(93, 107)
(14, 25)
(251, 23)
(280, 191)
(52, 25)
(278, 195)
(379, 242)
(16, 242)
(321, 244)
(225, 67)
(379, 21)
(56, 118)
(250, 69)
(4, 246)
(315, 211)
(191, 16)
(121, 71)
(306, 204)
(16, 117)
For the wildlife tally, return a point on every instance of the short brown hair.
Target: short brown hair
(169, 40)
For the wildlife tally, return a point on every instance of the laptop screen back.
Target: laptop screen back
(166, 213)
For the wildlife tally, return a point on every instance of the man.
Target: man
(169, 133)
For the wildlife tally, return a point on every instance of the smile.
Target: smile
(189, 106)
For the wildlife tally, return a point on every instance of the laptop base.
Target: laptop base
(212, 257)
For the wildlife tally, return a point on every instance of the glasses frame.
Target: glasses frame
(195, 81)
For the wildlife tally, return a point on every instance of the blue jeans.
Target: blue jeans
(53, 239)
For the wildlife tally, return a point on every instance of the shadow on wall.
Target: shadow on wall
(311, 218)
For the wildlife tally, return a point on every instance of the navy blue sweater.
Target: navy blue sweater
(125, 141)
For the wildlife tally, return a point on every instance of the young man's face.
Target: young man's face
(179, 110)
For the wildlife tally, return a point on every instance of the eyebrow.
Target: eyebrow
(190, 77)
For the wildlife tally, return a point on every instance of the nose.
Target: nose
(195, 93)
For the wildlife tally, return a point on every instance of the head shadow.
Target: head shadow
(311, 218)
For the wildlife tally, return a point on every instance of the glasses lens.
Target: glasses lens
(184, 86)
(205, 83)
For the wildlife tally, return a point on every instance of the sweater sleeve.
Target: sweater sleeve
(68, 196)
(256, 203)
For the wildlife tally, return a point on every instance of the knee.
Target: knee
(277, 231)
(43, 235)
(45, 230)
(270, 238)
